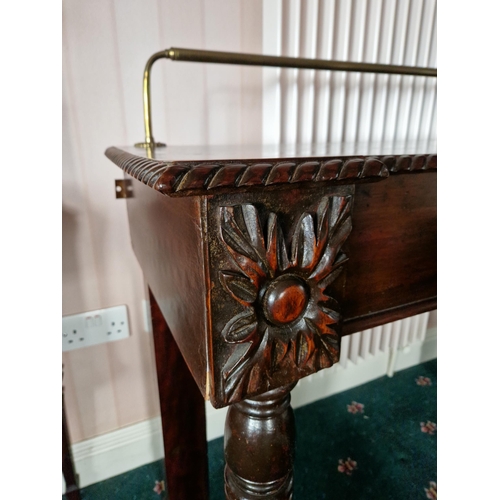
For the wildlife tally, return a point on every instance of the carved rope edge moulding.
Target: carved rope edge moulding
(188, 178)
(288, 324)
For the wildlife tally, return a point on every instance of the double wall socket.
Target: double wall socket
(94, 327)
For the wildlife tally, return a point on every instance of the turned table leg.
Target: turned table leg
(182, 416)
(259, 446)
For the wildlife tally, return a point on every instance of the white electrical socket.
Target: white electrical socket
(94, 327)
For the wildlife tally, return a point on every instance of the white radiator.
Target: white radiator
(322, 106)
(382, 339)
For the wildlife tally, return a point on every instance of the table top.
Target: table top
(237, 152)
(197, 170)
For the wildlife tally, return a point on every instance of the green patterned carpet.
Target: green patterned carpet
(376, 441)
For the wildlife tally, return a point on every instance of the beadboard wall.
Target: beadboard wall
(105, 46)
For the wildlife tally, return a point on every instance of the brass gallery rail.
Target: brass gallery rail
(208, 56)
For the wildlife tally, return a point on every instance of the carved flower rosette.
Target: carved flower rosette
(288, 324)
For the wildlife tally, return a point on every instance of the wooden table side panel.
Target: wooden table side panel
(393, 245)
(167, 239)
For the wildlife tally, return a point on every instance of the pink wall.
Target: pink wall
(105, 47)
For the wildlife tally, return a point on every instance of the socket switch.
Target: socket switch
(94, 327)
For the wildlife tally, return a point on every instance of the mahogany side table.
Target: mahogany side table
(258, 259)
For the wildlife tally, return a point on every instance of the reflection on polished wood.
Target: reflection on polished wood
(260, 152)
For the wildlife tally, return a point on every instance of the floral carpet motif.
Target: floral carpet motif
(363, 444)
(159, 487)
(428, 427)
(431, 491)
(347, 466)
(356, 407)
(423, 381)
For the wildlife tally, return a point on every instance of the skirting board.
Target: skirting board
(125, 449)
(116, 452)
